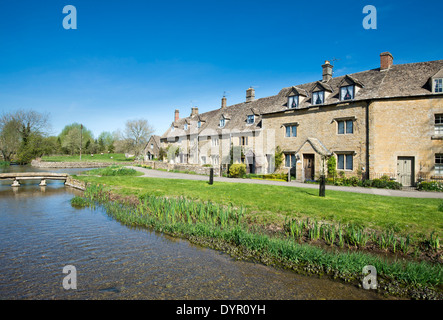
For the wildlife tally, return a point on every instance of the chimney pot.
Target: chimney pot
(250, 94)
(386, 60)
(327, 71)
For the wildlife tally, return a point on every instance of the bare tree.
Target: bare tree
(136, 135)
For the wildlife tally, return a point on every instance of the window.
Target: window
(345, 162)
(152, 146)
(215, 142)
(215, 160)
(438, 128)
(438, 85)
(318, 97)
(243, 141)
(439, 164)
(290, 160)
(250, 119)
(199, 124)
(186, 126)
(203, 159)
(222, 122)
(293, 102)
(345, 126)
(172, 128)
(347, 92)
(291, 131)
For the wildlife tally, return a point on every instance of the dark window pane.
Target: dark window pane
(288, 159)
(288, 131)
(294, 131)
(292, 160)
(349, 162)
(341, 161)
(349, 126)
(341, 127)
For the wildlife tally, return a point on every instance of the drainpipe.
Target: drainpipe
(367, 139)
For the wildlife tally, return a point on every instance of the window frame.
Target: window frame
(438, 124)
(251, 116)
(346, 126)
(292, 160)
(291, 128)
(222, 123)
(345, 157)
(293, 98)
(438, 164)
(314, 100)
(352, 95)
(437, 84)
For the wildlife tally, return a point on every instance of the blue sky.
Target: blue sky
(144, 59)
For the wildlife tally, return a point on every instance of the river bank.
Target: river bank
(399, 278)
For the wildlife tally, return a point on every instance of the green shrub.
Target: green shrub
(430, 186)
(237, 170)
(113, 171)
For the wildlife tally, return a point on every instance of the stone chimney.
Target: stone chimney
(194, 111)
(223, 103)
(386, 60)
(176, 115)
(327, 71)
(250, 95)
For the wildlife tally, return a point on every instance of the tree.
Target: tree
(20, 127)
(106, 141)
(136, 135)
(72, 137)
(10, 139)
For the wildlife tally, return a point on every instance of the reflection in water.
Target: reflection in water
(40, 233)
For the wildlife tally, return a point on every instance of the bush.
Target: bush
(386, 184)
(237, 170)
(430, 186)
(113, 171)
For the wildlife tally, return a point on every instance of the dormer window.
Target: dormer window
(347, 92)
(186, 126)
(293, 102)
(318, 97)
(199, 124)
(250, 119)
(438, 85)
(172, 128)
(222, 122)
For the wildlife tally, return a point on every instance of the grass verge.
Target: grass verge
(223, 227)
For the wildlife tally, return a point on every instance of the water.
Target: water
(40, 233)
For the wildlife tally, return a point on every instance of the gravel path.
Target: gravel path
(383, 192)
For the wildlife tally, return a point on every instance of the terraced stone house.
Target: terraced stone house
(384, 121)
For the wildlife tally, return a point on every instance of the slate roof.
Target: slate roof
(404, 80)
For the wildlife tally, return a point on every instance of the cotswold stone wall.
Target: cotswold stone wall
(180, 167)
(71, 182)
(43, 164)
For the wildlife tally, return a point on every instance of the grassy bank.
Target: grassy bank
(273, 205)
(106, 157)
(113, 171)
(224, 228)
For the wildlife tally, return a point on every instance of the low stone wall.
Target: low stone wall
(43, 164)
(77, 184)
(180, 167)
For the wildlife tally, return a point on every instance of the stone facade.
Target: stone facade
(383, 121)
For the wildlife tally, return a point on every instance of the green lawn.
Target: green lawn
(272, 204)
(106, 157)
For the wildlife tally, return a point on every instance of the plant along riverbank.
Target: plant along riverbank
(224, 228)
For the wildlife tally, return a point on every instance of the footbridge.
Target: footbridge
(16, 177)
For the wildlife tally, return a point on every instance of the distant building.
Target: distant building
(152, 148)
(384, 121)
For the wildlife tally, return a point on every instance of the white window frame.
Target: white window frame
(437, 84)
(292, 99)
(438, 124)
(315, 96)
(438, 169)
(222, 122)
(342, 98)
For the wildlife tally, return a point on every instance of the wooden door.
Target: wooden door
(308, 166)
(405, 171)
